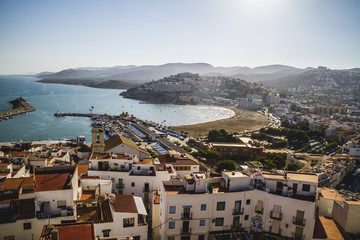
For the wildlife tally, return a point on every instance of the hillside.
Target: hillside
(278, 76)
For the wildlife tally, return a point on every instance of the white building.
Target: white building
(352, 148)
(239, 204)
(117, 144)
(27, 204)
(130, 175)
(129, 218)
(182, 163)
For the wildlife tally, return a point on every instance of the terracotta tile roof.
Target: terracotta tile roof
(52, 181)
(12, 183)
(124, 203)
(83, 169)
(87, 195)
(119, 139)
(26, 208)
(84, 148)
(73, 231)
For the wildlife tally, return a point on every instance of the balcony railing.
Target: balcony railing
(186, 231)
(298, 236)
(238, 227)
(278, 233)
(259, 211)
(299, 222)
(120, 186)
(146, 189)
(277, 216)
(186, 216)
(239, 211)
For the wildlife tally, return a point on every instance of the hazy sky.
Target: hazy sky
(53, 35)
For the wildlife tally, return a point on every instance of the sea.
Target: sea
(50, 98)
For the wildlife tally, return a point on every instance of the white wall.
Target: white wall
(16, 229)
(289, 207)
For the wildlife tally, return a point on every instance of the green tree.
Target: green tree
(293, 167)
(226, 164)
(220, 136)
(279, 144)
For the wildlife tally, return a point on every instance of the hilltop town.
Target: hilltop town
(141, 180)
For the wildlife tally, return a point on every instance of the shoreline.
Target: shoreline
(19, 106)
(242, 120)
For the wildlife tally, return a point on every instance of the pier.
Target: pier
(19, 106)
(61, 114)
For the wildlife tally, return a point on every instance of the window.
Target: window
(248, 201)
(201, 237)
(9, 238)
(27, 226)
(172, 209)
(219, 222)
(61, 204)
(246, 217)
(306, 187)
(106, 232)
(171, 238)
(220, 206)
(237, 206)
(202, 222)
(128, 222)
(172, 225)
(203, 207)
(132, 184)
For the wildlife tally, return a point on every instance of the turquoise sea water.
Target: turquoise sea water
(49, 98)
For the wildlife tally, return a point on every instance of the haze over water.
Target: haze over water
(49, 98)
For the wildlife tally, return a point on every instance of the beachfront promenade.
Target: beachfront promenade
(19, 106)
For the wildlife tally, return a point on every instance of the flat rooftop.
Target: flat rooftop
(303, 177)
(101, 156)
(332, 194)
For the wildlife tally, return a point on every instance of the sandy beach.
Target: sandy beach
(242, 120)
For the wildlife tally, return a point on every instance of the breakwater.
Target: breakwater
(19, 106)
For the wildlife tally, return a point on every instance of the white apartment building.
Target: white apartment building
(27, 204)
(130, 175)
(182, 163)
(129, 218)
(237, 205)
(352, 148)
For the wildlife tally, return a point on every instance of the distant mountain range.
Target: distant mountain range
(278, 76)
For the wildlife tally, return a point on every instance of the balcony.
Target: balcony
(238, 211)
(186, 231)
(298, 236)
(186, 216)
(278, 233)
(275, 215)
(236, 227)
(299, 222)
(120, 186)
(259, 211)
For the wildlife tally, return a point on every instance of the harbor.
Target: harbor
(19, 106)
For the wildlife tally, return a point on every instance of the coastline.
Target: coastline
(242, 120)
